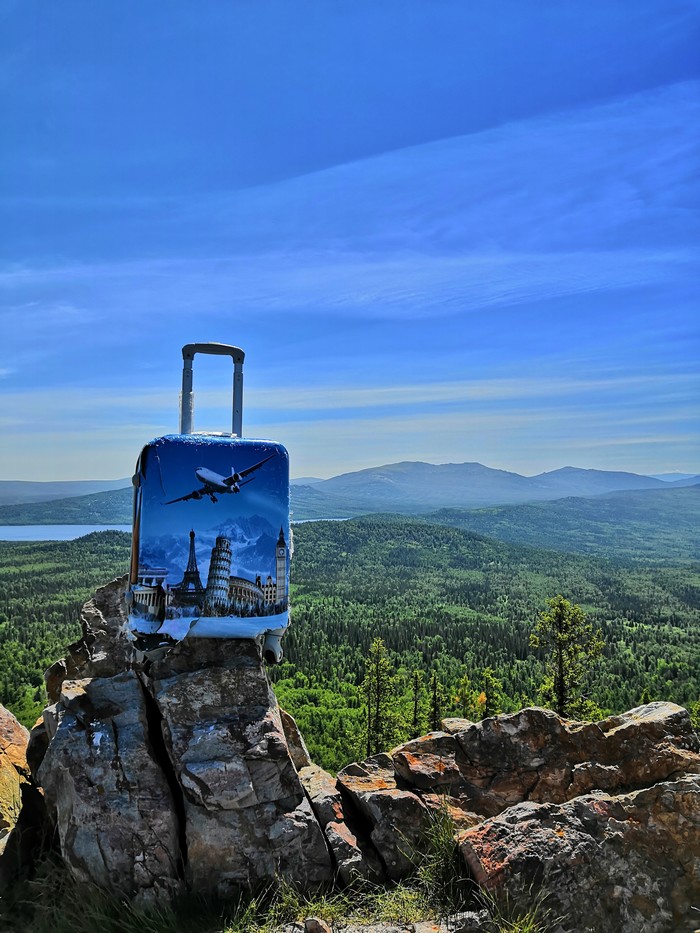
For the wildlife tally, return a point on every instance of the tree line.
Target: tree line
(455, 613)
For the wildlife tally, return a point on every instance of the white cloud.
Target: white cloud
(579, 204)
(533, 438)
(571, 203)
(397, 287)
(115, 404)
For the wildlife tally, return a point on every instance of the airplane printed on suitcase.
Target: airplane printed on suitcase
(211, 537)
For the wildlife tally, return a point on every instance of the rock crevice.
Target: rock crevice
(154, 725)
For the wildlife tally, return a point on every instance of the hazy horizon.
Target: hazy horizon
(681, 474)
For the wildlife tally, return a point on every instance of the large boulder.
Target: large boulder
(171, 773)
(629, 863)
(537, 755)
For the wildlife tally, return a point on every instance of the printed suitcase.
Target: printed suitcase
(211, 539)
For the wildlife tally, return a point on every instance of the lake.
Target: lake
(53, 532)
(69, 532)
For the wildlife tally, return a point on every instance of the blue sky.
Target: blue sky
(441, 230)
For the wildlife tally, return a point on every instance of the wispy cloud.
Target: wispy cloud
(513, 423)
(104, 401)
(395, 287)
(569, 239)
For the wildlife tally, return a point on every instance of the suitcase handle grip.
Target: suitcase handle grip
(187, 396)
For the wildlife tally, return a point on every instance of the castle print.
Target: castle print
(223, 595)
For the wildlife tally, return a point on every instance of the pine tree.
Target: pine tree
(379, 688)
(466, 699)
(437, 701)
(492, 689)
(571, 645)
(417, 705)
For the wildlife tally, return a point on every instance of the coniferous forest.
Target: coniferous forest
(445, 614)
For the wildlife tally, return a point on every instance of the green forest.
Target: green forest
(42, 587)
(651, 526)
(454, 610)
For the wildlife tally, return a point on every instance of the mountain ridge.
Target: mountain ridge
(407, 487)
(657, 525)
(18, 491)
(417, 486)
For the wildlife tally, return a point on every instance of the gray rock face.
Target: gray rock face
(109, 796)
(246, 815)
(627, 863)
(171, 775)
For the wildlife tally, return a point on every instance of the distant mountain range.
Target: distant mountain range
(412, 488)
(416, 488)
(651, 525)
(14, 492)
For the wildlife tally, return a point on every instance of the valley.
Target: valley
(446, 601)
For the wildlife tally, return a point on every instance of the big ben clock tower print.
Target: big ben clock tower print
(281, 568)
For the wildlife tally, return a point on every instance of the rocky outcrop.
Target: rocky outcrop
(354, 857)
(537, 755)
(174, 771)
(627, 863)
(633, 845)
(175, 774)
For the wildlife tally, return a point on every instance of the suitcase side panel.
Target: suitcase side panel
(210, 549)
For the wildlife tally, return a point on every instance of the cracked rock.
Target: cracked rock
(396, 817)
(108, 795)
(536, 755)
(627, 863)
(247, 818)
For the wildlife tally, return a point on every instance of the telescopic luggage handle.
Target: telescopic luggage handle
(187, 396)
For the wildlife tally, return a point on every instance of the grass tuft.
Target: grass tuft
(442, 874)
(53, 902)
(510, 915)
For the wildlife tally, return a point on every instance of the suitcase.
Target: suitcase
(211, 538)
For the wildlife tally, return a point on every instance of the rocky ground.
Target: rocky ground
(162, 774)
